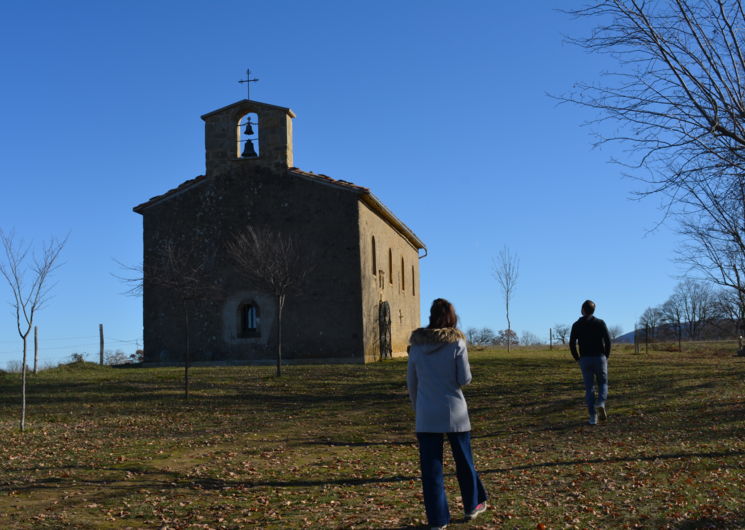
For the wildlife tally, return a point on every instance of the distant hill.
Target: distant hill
(722, 329)
(626, 338)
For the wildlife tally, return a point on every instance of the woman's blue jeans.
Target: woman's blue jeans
(433, 482)
(595, 369)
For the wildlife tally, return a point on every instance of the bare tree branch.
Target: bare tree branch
(678, 99)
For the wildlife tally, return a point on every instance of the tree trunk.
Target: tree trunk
(680, 339)
(509, 327)
(186, 351)
(36, 347)
(280, 308)
(23, 388)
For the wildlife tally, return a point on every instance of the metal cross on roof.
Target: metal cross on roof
(248, 82)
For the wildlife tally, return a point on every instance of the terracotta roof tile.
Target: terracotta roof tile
(326, 178)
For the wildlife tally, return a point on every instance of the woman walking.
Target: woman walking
(438, 367)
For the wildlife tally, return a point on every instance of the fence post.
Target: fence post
(100, 336)
(646, 339)
(550, 338)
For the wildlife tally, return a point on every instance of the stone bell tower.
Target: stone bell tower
(248, 133)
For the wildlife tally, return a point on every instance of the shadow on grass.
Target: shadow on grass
(711, 522)
(172, 480)
(651, 458)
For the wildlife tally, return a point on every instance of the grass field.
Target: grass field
(333, 447)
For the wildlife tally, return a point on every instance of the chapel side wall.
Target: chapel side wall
(402, 296)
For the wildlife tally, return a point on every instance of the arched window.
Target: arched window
(248, 136)
(248, 320)
(390, 266)
(374, 257)
(403, 275)
(413, 282)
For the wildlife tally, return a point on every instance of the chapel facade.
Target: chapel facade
(360, 298)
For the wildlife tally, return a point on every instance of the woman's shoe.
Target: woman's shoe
(480, 508)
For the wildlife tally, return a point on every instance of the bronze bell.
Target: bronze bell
(248, 150)
(249, 130)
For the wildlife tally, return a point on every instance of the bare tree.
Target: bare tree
(650, 320)
(506, 337)
(480, 337)
(27, 274)
(529, 338)
(697, 304)
(679, 98)
(562, 332)
(731, 306)
(615, 332)
(506, 269)
(672, 315)
(472, 336)
(271, 262)
(181, 269)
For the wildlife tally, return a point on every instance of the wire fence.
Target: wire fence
(9, 349)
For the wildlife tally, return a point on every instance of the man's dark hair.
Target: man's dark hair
(442, 315)
(588, 307)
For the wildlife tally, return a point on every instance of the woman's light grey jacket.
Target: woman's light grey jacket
(438, 367)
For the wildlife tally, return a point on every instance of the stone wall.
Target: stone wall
(325, 321)
(402, 293)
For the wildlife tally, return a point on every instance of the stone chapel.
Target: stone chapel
(361, 298)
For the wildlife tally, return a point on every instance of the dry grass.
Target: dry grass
(332, 447)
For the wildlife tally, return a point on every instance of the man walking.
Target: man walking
(594, 350)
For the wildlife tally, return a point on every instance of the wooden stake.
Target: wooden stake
(100, 335)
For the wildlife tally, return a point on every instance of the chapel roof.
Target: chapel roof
(365, 195)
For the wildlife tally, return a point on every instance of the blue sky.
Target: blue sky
(441, 108)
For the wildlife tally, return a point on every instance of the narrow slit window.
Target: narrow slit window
(390, 266)
(374, 258)
(413, 282)
(403, 275)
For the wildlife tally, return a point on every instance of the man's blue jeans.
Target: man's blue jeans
(595, 369)
(433, 482)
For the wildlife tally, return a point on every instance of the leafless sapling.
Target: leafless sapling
(506, 269)
(181, 269)
(273, 263)
(27, 273)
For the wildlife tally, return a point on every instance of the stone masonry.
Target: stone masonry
(336, 316)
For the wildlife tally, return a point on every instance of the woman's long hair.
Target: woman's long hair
(442, 315)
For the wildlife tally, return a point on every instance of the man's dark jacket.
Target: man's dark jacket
(592, 335)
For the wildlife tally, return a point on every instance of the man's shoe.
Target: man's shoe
(480, 508)
(438, 527)
(593, 420)
(602, 415)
